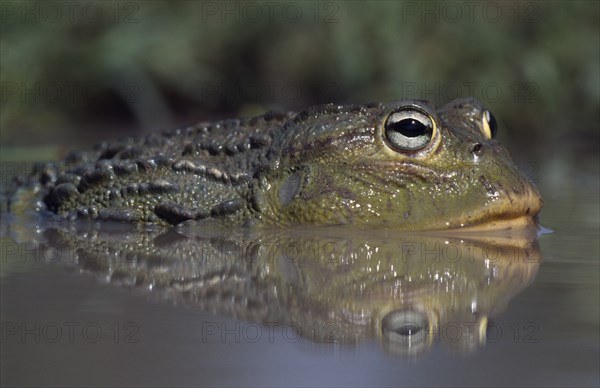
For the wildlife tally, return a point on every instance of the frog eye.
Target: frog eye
(409, 130)
(406, 331)
(489, 125)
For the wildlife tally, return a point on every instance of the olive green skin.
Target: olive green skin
(328, 165)
(350, 175)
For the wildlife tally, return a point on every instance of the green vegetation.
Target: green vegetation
(77, 73)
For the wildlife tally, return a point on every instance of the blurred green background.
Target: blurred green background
(73, 73)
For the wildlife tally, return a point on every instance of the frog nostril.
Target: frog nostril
(476, 148)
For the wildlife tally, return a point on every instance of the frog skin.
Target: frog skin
(402, 164)
(406, 290)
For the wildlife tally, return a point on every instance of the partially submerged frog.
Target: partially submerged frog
(402, 164)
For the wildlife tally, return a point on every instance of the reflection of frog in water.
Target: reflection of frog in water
(404, 164)
(407, 290)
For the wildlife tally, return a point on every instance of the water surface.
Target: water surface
(83, 307)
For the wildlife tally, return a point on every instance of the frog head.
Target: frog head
(402, 164)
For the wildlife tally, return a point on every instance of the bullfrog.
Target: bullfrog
(403, 164)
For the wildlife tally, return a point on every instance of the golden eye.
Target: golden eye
(489, 125)
(409, 129)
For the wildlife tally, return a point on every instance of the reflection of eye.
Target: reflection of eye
(490, 127)
(408, 130)
(406, 329)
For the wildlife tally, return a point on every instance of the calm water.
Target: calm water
(83, 308)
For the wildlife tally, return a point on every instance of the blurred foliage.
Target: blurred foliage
(80, 71)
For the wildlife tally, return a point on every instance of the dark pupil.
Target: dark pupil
(406, 131)
(410, 128)
(408, 329)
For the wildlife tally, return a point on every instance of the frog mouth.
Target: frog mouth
(503, 212)
(499, 224)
